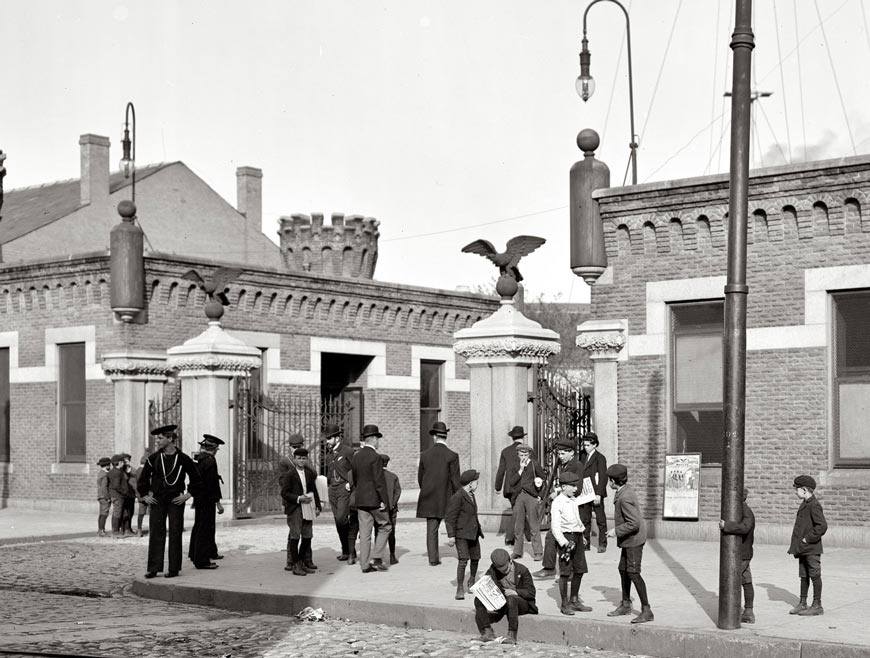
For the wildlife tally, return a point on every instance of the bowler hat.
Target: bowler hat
(591, 437)
(617, 472)
(103, 461)
(564, 444)
(569, 477)
(209, 440)
(330, 430)
(805, 481)
(300, 452)
(517, 432)
(165, 429)
(468, 476)
(500, 558)
(296, 439)
(439, 429)
(370, 430)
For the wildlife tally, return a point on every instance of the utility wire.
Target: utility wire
(864, 16)
(661, 69)
(800, 80)
(775, 139)
(782, 83)
(715, 70)
(836, 78)
(464, 228)
(684, 147)
(613, 83)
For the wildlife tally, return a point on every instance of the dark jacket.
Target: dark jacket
(338, 465)
(394, 490)
(438, 478)
(627, 519)
(461, 518)
(102, 484)
(118, 487)
(809, 526)
(210, 492)
(525, 481)
(291, 488)
(369, 484)
(509, 461)
(746, 529)
(596, 470)
(168, 484)
(525, 586)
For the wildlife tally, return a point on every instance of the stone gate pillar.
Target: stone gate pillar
(137, 377)
(206, 366)
(499, 351)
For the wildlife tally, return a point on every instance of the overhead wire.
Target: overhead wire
(661, 69)
(785, 159)
(613, 83)
(836, 78)
(800, 81)
(864, 16)
(715, 80)
(782, 82)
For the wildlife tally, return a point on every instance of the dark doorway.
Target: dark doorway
(341, 379)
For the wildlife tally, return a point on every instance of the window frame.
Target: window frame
(5, 405)
(64, 453)
(425, 437)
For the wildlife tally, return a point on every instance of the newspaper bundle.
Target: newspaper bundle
(487, 592)
(587, 495)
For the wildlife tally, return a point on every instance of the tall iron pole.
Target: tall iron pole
(736, 291)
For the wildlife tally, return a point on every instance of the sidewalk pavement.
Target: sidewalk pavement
(681, 576)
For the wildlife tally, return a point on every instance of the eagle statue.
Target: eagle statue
(506, 261)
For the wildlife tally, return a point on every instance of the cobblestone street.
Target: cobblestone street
(71, 597)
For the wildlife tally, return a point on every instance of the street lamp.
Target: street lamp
(585, 84)
(128, 161)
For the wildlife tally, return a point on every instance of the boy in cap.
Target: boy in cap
(806, 545)
(463, 529)
(507, 463)
(103, 494)
(515, 582)
(527, 483)
(130, 497)
(142, 507)
(567, 463)
(567, 529)
(745, 527)
(594, 468)
(118, 490)
(394, 492)
(630, 532)
(299, 491)
(206, 501)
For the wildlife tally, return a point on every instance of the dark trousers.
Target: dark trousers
(432, 525)
(202, 541)
(161, 511)
(549, 561)
(339, 502)
(586, 510)
(514, 607)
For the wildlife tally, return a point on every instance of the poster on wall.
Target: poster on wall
(682, 486)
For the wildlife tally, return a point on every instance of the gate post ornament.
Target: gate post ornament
(506, 261)
(214, 287)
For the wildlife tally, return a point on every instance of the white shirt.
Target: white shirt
(564, 517)
(301, 473)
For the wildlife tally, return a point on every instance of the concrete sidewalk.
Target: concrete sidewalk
(681, 576)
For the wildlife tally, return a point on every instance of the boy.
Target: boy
(103, 494)
(567, 529)
(463, 529)
(567, 462)
(746, 529)
(526, 482)
(630, 533)
(518, 588)
(118, 492)
(806, 545)
(298, 489)
(394, 492)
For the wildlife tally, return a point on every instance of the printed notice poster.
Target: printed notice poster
(682, 486)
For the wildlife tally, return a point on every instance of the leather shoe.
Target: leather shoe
(151, 574)
(602, 549)
(170, 574)
(544, 573)
(394, 559)
(210, 565)
(369, 569)
(217, 557)
(380, 567)
(342, 558)
(435, 564)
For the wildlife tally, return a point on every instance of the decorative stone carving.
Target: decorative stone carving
(214, 362)
(135, 366)
(513, 348)
(214, 352)
(506, 335)
(603, 340)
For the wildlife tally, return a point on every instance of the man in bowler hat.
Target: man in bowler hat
(372, 501)
(438, 478)
(206, 502)
(338, 476)
(162, 487)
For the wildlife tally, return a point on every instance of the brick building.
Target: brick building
(323, 326)
(657, 340)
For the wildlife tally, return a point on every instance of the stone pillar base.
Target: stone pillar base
(495, 521)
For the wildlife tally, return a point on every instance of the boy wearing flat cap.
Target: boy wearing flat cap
(567, 529)
(515, 582)
(206, 502)
(301, 505)
(630, 532)
(463, 529)
(527, 487)
(103, 494)
(806, 545)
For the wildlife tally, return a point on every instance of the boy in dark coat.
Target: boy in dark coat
(103, 494)
(745, 527)
(463, 529)
(394, 492)
(806, 545)
(630, 533)
(118, 492)
(516, 583)
(298, 489)
(527, 485)
(206, 503)
(594, 468)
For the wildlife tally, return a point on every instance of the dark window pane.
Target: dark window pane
(5, 443)
(852, 379)
(427, 419)
(72, 372)
(708, 314)
(698, 366)
(71, 391)
(700, 431)
(430, 384)
(853, 332)
(73, 428)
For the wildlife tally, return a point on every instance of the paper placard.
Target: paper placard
(587, 495)
(487, 592)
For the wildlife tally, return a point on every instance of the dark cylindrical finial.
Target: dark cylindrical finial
(588, 257)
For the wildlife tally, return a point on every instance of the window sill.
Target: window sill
(71, 468)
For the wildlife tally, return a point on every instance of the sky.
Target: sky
(447, 120)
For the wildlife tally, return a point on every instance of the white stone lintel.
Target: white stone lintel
(603, 339)
(136, 365)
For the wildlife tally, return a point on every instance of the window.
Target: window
(430, 400)
(71, 402)
(851, 379)
(5, 442)
(696, 379)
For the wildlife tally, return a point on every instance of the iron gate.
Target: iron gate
(263, 425)
(162, 411)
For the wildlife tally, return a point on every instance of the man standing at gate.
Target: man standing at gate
(595, 468)
(507, 463)
(438, 478)
(162, 487)
(371, 499)
(206, 502)
(338, 475)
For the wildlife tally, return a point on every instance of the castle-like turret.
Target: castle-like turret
(346, 248)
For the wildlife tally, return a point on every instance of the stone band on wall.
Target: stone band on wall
(122, 365)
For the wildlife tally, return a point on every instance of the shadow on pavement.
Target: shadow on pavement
(779, 594)
(709, 601)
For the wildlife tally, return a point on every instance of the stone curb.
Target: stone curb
(648, 639)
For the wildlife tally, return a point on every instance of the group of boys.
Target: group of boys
(116, 495)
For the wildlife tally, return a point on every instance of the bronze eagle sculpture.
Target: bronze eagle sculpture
(506, 261)
(215, 284)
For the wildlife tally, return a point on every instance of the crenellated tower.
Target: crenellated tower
(348, 247)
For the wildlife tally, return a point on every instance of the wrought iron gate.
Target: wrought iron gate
(165, 410)
(263, 425)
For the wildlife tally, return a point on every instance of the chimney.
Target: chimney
(249, 195)
(95, 168)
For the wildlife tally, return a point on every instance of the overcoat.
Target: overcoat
(438, 478)
(809, 526)
(369, 484)
(291, 489)
(595, 468)
(628, 522)
(461, 518)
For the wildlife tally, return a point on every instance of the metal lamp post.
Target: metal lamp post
(585, 84)
(128, 161)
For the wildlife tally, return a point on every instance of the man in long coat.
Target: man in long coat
(206, 502)
(338, 469)
(372, 501)
(438, 478)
